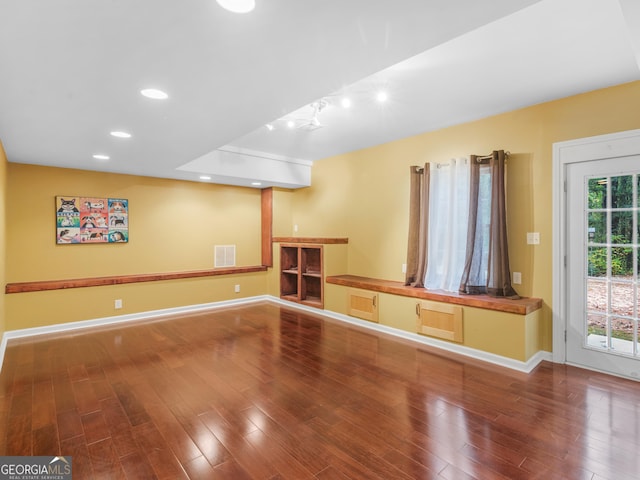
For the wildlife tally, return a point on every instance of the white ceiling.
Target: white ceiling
(71, 71)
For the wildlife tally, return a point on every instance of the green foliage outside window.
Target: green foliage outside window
(621, 261)
(621, 191)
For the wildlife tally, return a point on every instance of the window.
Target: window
(448, 224)
(479, 266)
(453, 247)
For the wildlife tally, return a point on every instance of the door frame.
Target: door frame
(587, 149)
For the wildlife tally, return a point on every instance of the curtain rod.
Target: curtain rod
(440, 165)
(479, 158)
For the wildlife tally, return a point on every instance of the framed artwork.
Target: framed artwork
(91, 220)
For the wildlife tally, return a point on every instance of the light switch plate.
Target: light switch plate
(533, 238)
(517, 278)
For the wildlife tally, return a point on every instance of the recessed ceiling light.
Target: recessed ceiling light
(99, 156)
(154, 93)
(256, 184)
(345, 102)
(269, 126)
(382, 96)
(120, 134)
(291, 124)
(205, 177)
(237, 6)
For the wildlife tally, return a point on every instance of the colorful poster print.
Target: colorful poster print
(91, 220)
(68, 220)
(118, 220)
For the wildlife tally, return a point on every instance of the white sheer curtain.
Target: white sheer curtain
(448, 224)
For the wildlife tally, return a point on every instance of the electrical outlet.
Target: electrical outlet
(517, 278)
(533, 238)
(404, 268)
(295, 228)
(236, 289)
(117, 303)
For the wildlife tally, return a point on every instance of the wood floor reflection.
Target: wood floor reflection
(266, 392)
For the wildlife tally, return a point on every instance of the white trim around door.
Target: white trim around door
(565, 153)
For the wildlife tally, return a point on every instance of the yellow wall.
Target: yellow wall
(28, 310)
(482, 329)
(3, 256)
(174, 226)
(363, 195)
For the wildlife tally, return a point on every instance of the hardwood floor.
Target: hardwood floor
(265, 392)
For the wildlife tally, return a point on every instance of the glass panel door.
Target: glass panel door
(603, 266)
(612, 259)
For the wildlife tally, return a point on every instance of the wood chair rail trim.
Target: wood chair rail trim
(22, 287)
(323, 240)
(522, 306)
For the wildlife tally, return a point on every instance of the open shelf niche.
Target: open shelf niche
(301, 274)
(304, 264)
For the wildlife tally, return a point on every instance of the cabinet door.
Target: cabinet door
(441, 320)
(363, 304)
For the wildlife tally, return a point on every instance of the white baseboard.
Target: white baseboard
(526, 367)
(3, 348)
(511, 363)
(132, 317)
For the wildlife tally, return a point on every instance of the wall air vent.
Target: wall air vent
(224, 256)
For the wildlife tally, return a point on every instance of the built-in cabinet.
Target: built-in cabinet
(301, 274)
(363, 304)
(440, 320)
(305, 262)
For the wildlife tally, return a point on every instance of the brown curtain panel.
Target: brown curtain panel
(418, 226)
(473, 279)
(487, 259)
